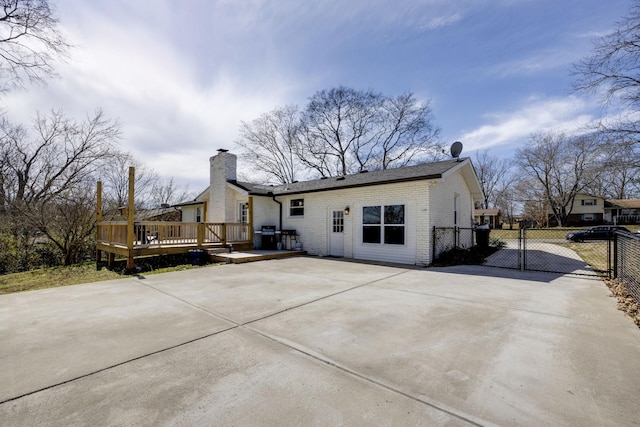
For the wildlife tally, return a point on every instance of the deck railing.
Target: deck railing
(159, 233)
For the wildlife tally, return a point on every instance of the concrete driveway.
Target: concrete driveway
(312, 341)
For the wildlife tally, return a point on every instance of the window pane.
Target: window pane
(338, 221)
(371, 234)
(394, 235)
(371, 215)
(394, 214)
(296, 207)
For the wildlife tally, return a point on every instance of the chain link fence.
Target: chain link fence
(626, 261)
(553, 250)
(447, 238)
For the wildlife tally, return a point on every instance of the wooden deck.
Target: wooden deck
(163, 238)
(253, 255)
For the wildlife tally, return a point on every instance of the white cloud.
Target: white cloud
(172, 120)
(441, 21)
(565, 114)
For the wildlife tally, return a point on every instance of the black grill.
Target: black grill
(268, 230)
(269, 237)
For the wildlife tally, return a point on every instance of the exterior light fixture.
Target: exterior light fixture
(347, 210)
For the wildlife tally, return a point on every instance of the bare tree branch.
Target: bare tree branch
(30, 42)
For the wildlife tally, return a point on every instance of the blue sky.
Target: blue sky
(181, 76)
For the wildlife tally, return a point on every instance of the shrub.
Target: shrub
(458, 256)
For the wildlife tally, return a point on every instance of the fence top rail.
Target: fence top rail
(624, 234)
(173, 223)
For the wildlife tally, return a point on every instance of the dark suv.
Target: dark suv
(598, 232)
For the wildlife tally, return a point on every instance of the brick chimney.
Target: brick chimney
(222, 170)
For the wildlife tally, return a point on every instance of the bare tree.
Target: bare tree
(612, 71)
(46, 165)
(492, 173)
(339, 129)
(530, 197)
(347, 131)
(506, 201)
(406, 133)
(558, 163)
(68, 221)
(115, 179)
(618, 174)
(59, 154)
(168, 192)
(269, 144)
(29, 42)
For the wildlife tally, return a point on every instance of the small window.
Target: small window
(588, 217)
(243, 213)
(371, 224)
(383, 224)
(338, 221)
(589, 202)
(296, 207)
(198, 214)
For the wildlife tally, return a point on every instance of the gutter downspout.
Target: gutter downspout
(280, 219)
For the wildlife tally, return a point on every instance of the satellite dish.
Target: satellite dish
(456, 149)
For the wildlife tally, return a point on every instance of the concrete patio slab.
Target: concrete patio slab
(244, 295)
(322, 342)
(55, 335)
(234, 378)
(519, 362)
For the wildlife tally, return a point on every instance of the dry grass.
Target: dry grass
(54, 277)
(593, 253)
(65, 276)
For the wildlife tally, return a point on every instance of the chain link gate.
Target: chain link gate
(549, 250)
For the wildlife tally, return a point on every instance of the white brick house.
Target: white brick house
(385, 215)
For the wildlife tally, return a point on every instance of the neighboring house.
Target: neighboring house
(587, 210)
(622, 211)
(194, 211)
(163, 213)
(488, 216)
(385, 215)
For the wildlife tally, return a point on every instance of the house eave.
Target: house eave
(346, 186)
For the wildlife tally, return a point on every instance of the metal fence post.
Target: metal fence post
(615, 255)
(521, 249)
(433, 254)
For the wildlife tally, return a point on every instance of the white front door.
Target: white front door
(336, 233)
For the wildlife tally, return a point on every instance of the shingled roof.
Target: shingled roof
(409, 173)
(625, 203)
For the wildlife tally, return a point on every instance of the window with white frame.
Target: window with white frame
(589, 202)
(243, 213)
(588, 217)
(383, 224)
(198, 214)
(296, 207)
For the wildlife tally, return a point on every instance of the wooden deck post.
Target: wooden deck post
(130, 218)
(98, 221)
(200, 234)
(224, 233)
